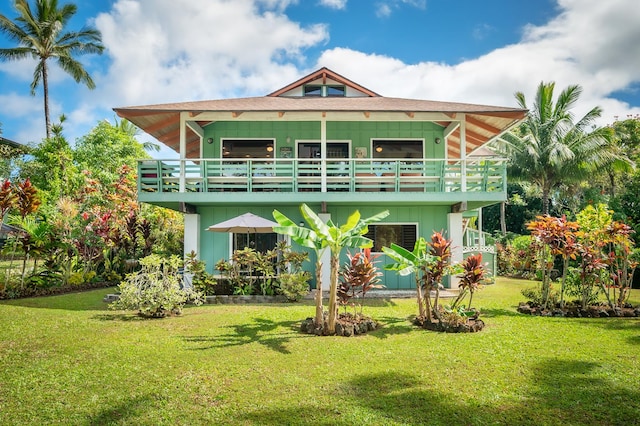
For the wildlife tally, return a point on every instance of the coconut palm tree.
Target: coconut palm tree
(40, 34)
(550, 147)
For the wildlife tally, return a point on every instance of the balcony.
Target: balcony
(207, 180)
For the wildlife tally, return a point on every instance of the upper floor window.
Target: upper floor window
(326, 90)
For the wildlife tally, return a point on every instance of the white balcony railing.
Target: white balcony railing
(331, 175)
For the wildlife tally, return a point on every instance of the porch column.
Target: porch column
(183, 150)
(454, 225)
(192, 233)
(323, 153)
(463, 153)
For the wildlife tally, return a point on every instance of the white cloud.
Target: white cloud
(334, 4)
(174, 50)
(591, 43)
(481, 31)
(384, 9)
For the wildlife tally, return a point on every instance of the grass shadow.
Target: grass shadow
(499, 312)
(123, 413)
(391, 326)
(121, 317)
(261, 331)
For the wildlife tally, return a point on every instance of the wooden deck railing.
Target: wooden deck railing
(331, 175)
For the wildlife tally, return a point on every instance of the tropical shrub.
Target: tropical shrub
(155, 291)
(294, 286)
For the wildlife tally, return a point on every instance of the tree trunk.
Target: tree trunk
(612, 181)
(565, 266)
(503, 218)
(419, 293)
(333, 294)
(45, 88)
(319, 308)
(545, 199)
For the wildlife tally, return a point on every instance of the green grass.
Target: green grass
(68, 360)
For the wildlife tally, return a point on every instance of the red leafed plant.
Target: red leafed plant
(358, 276)
(473, 276)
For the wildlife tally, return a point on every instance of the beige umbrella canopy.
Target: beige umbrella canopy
(247, 223)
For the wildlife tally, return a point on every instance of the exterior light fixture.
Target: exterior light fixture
(378, 148)
(288, 139)
(269, 148)
(438, 140)
(210, 140)
(301, 224)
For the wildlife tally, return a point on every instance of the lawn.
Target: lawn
(68, 360)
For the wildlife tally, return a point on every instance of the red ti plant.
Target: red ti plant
(440, 250)
(621, 266)
(358, 276)
(7, 198)
(27, 198)
(473, 276)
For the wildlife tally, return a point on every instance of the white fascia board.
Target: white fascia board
(318, 115)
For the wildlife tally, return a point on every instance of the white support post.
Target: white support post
(463, 152)
(192, 233)
(323, 154)
(455, 227)
(183, 150)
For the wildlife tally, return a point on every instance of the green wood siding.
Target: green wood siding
(215, 245)
(359, 132)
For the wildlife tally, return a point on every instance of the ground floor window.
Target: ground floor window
(403, 235)
(258, 242)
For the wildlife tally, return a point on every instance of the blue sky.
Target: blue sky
(464, 51)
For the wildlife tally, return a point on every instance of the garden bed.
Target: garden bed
(576, 311)
(346, 325)
(472, 325)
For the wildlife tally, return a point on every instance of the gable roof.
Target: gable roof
(324, 74)
(483, 122)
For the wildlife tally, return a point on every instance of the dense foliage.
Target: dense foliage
(78, 219)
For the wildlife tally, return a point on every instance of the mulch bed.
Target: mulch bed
(472, 325)
(347, 325)
(572, 310)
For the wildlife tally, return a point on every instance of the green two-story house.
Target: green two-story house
(329, 142)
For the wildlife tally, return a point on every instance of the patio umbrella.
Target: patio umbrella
(247, 223)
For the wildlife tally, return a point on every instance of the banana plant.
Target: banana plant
(411, 262)
(320, 236)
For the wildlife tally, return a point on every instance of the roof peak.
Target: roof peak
(324, 73)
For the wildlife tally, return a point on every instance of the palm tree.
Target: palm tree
(550, 148)
(41, 35)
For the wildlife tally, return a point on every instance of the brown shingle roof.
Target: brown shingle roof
(162, 121)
